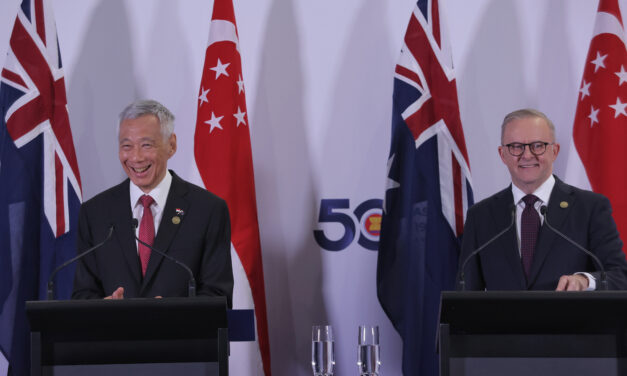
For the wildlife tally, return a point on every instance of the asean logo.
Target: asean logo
(339, 228)
(372, 225)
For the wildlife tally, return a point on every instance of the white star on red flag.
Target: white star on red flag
(240, 117)
(203, 96)
(599, 62)
(585, 89)
(220, 69)
(240, 84)
(622, 75)
(619, 108)
(593, 116)
(214, 122)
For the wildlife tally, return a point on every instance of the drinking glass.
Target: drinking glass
(322, 354)
(368, 351)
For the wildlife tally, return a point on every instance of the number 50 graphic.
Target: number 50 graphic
(367, 215)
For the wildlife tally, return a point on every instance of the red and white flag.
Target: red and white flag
(224, 157)
(600, 128)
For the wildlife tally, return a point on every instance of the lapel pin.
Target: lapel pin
(563, 204)
(176, 220)
(180, 212)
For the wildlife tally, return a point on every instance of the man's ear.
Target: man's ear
(501, 151)
(172, 143)
(556, 150)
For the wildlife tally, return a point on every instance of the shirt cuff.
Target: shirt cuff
(592, 282)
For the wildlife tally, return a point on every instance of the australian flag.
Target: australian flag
(40, 187)
(428, 190)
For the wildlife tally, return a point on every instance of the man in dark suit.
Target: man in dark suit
(530, 256)
(187, 222)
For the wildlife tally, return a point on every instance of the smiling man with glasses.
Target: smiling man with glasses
(529, 255)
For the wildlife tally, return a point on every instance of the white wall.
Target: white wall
(318, 77)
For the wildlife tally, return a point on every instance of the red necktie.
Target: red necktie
(146, 231)
(529, 226)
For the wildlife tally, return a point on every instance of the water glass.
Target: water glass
(368, 359)
(322, 350)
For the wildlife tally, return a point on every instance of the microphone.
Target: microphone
(191, 285)
(462, 280)
(50, 295)
(543, 210)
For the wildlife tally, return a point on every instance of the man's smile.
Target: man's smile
(140, 170)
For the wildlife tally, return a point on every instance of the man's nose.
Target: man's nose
(527, 154)
(136, 154)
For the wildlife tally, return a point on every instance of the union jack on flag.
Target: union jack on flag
(40, 186)
(37, 105)
(428, 190)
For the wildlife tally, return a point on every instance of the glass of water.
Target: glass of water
(322, 355)
(368, 351)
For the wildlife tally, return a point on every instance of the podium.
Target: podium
(128, 332)
(562, 330)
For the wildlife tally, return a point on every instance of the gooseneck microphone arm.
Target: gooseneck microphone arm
(50, 295)
(191, 285)
(543, 210)
(462, 277)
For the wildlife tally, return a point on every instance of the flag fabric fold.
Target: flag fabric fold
(223, 154)
(428, 190)
(600, 126)
(40, 186)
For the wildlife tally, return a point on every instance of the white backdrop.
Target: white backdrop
(318, 76)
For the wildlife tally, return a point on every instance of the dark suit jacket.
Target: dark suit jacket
(587, 220)
(201, 240)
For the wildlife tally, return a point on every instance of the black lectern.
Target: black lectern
(534, 324)
(128, 331)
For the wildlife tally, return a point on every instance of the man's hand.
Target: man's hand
(574, 282)
(117, 294)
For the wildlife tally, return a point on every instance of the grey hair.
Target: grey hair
(524, 114)
(143, 107)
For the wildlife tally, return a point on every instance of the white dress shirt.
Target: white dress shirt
(159, 194)
(543, 193)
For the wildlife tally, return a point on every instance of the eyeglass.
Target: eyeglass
(536, 148)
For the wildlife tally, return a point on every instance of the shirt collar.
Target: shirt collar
(158, 193)
(543, 192)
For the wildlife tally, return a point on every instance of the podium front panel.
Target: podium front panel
(533, 331)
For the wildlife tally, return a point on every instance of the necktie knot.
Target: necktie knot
(146, 201)
(529, 200)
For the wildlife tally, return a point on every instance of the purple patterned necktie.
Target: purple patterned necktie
(529, 226)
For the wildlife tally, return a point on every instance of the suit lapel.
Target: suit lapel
(122, 216)
(556, 216)
(167, 228)
(508, 243)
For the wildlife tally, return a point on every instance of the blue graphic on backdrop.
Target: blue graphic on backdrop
(367, 215)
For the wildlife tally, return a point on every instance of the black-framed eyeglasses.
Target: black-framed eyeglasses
(536, 148)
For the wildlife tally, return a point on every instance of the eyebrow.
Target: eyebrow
(140, 140)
